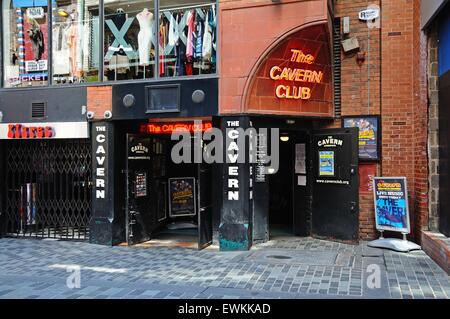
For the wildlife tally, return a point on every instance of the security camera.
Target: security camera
(108, 115)
(90, 115)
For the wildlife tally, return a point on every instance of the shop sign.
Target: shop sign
(298, 75)
(36, 13)
(169, 128)
(182, 197)
(19, 131)
(391, 204)
(51, 130)
(100, 167)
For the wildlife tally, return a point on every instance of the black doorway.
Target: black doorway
(281, 199)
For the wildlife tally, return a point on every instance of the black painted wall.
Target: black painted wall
(207, 108)
(64, 104)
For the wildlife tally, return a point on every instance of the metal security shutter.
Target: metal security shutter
(337, 78)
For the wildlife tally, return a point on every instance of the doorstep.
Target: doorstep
(437, 246)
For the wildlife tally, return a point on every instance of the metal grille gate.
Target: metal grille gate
(48, 189)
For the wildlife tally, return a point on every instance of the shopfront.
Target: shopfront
(45, 166)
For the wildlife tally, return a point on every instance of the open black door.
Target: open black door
(205, 207)
(335, 208)
(139, 214)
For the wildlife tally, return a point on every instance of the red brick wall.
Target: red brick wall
(404, 107)
(361, 94)
(99, 100)
(241, 43)
(396, 54)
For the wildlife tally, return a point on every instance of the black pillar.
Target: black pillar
(103, 177)
(235, 230)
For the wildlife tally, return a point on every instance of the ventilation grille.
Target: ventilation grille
(337, 77)
(38, 110)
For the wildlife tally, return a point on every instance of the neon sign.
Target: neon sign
(294, 92)
(169, 128)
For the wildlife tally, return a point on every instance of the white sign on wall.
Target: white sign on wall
(369, 14)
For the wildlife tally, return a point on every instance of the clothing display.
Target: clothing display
(145, 19)
(193, 53)
(61, 52)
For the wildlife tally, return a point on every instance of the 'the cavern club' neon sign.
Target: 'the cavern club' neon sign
(169, 128)
(295, 92)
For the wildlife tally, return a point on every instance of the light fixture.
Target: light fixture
(63, 13)
(284, 138)
(1, 116)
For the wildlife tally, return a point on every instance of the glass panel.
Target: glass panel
(75, 41)
(129, 42)
(187, 37)
(25, 39)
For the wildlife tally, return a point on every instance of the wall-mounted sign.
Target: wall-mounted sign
(60, 130)
(169, 128)
(369, 135)
(19, 131)
(295, 77)
(182, 198)
(391, 204)
(100, 147)
(369, 14)
(261, 154)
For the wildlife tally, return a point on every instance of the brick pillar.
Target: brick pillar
(433, 127)
(403, 103)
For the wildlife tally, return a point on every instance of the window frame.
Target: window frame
(102, 79)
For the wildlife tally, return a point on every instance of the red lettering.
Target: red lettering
(18, 131)
(49, 132)
(11, 131)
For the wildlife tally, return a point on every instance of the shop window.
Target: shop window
(75, 41)
(129, 40)
(187, 37)
(25, 43)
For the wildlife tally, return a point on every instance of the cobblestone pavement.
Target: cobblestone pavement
(287, 268)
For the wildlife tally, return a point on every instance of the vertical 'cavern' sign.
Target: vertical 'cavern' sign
(100, 153)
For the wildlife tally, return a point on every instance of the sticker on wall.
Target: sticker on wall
(326, 163)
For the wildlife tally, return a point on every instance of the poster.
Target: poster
(300, 159)
(367, 172)
(326, 163)
(391, 204)
(140, 184)
(182, 197)
(369, 136)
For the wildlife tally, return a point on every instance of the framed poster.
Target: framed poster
(391, 204)
(326, 163)
(182, 197)
(140, 184)
(369, 135)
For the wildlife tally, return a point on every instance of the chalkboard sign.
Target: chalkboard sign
(182, 197)
(391, 204)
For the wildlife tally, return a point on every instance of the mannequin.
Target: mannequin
(145, 19)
